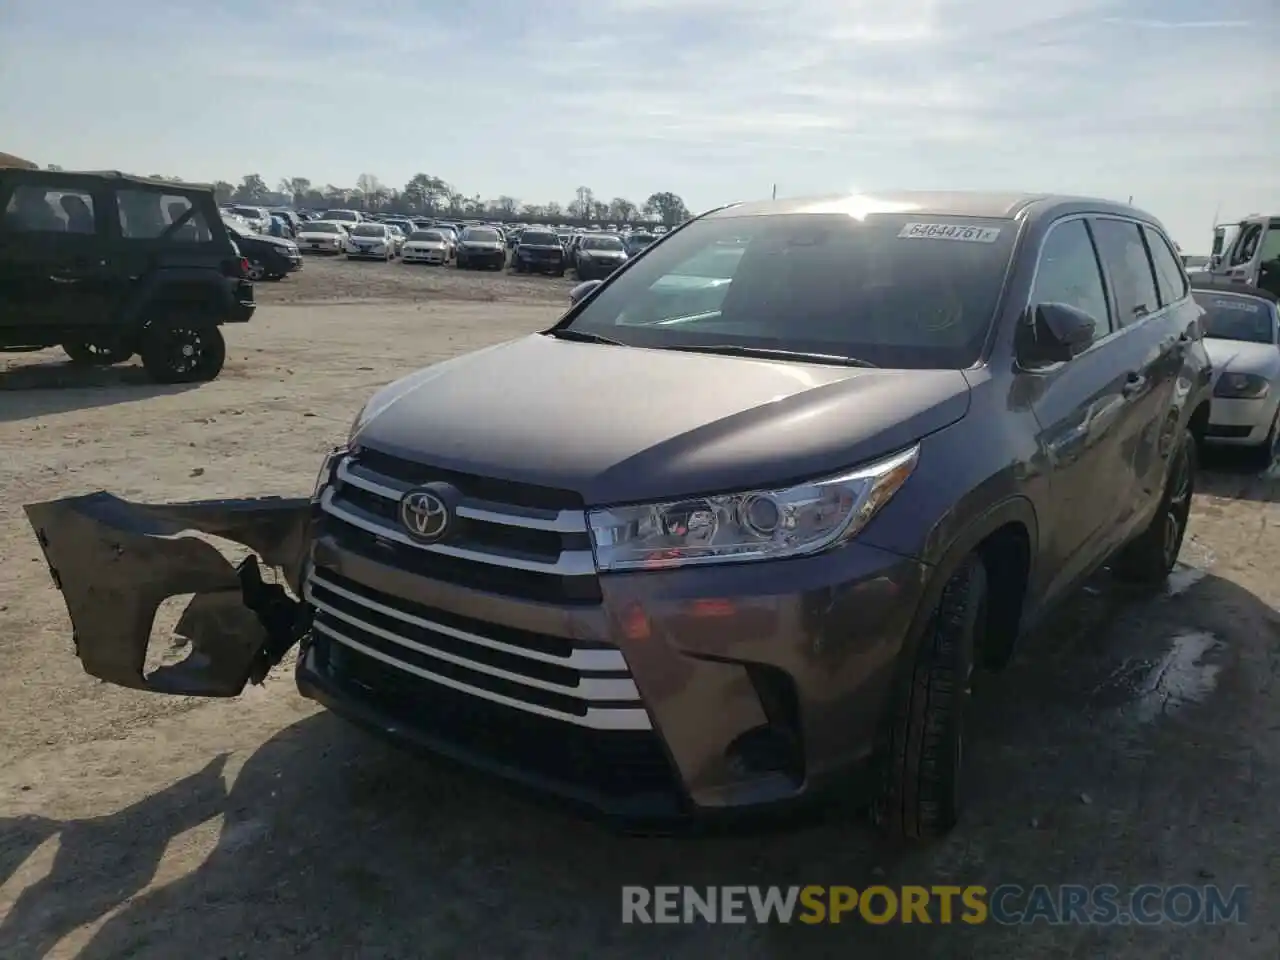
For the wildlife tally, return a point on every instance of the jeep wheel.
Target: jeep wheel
(1149, 559)
(96, 354)
(920, 761)
(181, 352)
(256, 270)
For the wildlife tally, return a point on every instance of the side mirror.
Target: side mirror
(582, 289)
(1056, 333)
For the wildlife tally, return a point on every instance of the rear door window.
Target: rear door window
(39, 209)
(1171, 281)
(1124, 257)
(1068, 272)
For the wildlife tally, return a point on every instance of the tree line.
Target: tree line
(430, 195)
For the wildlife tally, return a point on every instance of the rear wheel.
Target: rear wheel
(920, 764)
(257, 270)
(97, 354)
(178, 351)
(1149, 559)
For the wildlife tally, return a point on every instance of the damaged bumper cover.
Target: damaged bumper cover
(116, 562)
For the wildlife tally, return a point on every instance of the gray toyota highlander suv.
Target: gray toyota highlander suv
(736, 528)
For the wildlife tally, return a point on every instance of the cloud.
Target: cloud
(713, 99)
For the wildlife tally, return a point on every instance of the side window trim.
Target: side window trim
(1155, 283)
(1148, 231)
(1103, 278)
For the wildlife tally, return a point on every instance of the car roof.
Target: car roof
(111, 176)
(940, 203)
(1229, 289)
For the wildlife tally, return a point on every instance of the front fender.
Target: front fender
(115, 562)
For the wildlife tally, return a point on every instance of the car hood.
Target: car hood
(264, 240)
(1241, 356)
(620, 424)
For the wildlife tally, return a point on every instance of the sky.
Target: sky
(1172, 102)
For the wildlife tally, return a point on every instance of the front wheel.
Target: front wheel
(920, 761)
(183, 352)
(1149, 559)
(97, 354)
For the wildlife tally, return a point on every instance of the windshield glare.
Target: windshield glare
(480, 236)
(601, 243)
(321, 228)
(813, 283)
(427, 236)
(369, 230)
(538, 239)
(1236, 318)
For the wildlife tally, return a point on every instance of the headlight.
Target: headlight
(757, 525)
(1242, 386)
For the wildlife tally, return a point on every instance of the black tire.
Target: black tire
(1148, 559)
(920, 763)
(166, 357)
(95, 354)
(257, 270)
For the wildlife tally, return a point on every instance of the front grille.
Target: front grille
(514, 539)
(1227, 432)
(628, 766)
(578, 683)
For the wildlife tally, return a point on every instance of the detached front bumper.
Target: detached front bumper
(115, 562)
(668, 695)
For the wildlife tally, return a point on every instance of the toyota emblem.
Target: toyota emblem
(425, 515)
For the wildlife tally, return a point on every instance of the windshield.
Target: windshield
(601, 243)
(237, 227)
(249, 212)
(369, 230)
(321, 228)
(427, 236)
(349, 215)
(1236, 318)
(538, 238)
(887, 290)
(481, 236)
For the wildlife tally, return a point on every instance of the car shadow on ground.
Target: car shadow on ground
(51, 386)
(1119, 747)
(1237, 474)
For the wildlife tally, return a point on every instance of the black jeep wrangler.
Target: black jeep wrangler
(107, 265)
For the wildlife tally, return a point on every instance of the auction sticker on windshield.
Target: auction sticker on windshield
(949, 231)
(1242, 305)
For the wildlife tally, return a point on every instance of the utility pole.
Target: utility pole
(775, 191)
(1131, 199)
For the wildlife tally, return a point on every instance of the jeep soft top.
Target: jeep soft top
(107, 265)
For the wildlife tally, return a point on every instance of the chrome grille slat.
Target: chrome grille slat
(565, 521)
(571, 563)
(589, 689)
(587, 661)
(598, 718)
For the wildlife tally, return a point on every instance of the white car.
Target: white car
(258, 219)
(425, 246)
(370, 241)
(322, 236)
(1242, 336)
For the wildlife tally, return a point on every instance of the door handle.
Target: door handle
(1132, 384)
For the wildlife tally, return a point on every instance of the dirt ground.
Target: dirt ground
(1136, 741)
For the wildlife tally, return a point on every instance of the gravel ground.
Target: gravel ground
(1135, 741)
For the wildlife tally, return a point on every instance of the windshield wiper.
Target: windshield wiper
(584, 336)
(770, 353)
